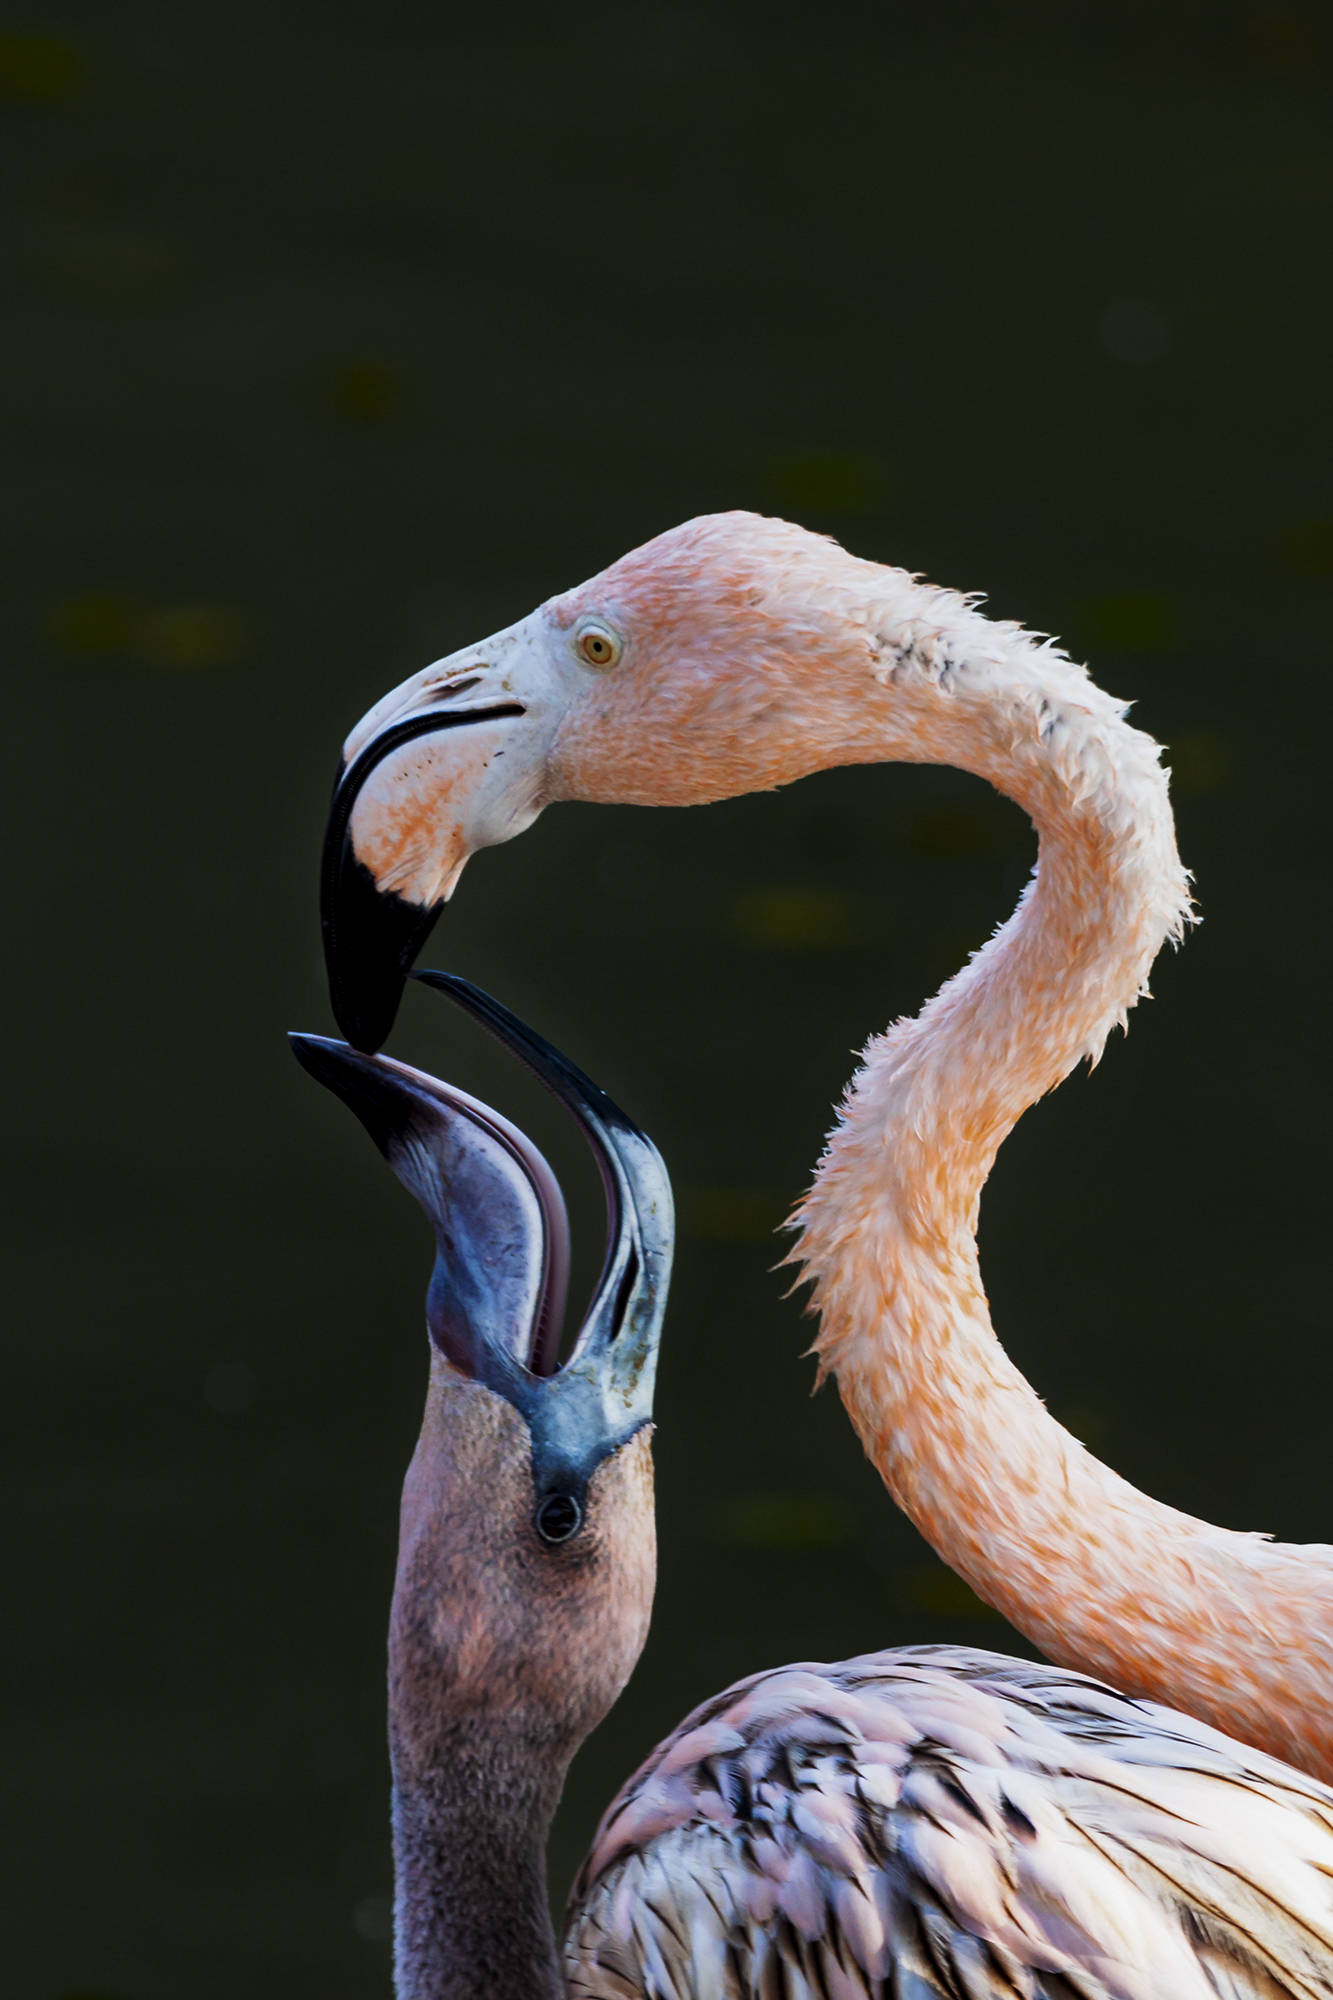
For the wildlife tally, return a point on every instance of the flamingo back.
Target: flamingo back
(936, 1821)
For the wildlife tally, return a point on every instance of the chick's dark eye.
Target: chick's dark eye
(558, 1517)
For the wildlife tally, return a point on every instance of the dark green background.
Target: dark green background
(334, 343)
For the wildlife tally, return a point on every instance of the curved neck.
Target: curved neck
(1100, 1576)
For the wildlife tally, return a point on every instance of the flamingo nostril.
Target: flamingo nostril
(446, 686)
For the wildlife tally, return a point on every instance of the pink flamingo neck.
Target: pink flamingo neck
(1229, 1627)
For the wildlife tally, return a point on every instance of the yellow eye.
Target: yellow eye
(599, 646)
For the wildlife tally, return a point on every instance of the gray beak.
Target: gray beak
(497, 1291)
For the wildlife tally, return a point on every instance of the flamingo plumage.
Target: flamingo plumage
(921, 1824)
(735, 654)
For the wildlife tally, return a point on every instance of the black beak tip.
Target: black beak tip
(371, 937)
(385, 1103)
(321, 1057)
(365, 1002)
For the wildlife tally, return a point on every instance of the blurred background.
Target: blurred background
(337, 338)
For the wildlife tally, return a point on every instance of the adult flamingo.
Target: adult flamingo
(921, 1824)
(734, 654)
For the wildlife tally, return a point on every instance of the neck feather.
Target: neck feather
(471, 1915)
(1101, 1577)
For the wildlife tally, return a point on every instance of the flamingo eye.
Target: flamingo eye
(598, 645)
(559, 1517)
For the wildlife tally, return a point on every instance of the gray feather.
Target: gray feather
(941, 1824)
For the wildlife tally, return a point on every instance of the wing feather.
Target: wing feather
(940, 1824)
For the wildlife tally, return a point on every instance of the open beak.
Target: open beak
(617, 1342)
(502, 1262)
(450, 762)
(496, 1300)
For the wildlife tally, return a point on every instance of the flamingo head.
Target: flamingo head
(710, 662)
(527, 1553)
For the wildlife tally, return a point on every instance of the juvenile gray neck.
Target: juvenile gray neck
(471, 1917)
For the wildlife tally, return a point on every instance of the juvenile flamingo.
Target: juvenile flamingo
(922, 1824)
(736, 653)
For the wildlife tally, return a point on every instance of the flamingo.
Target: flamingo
(736, 653)
(923, 1824)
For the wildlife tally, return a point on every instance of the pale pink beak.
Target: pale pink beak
(452, 761)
